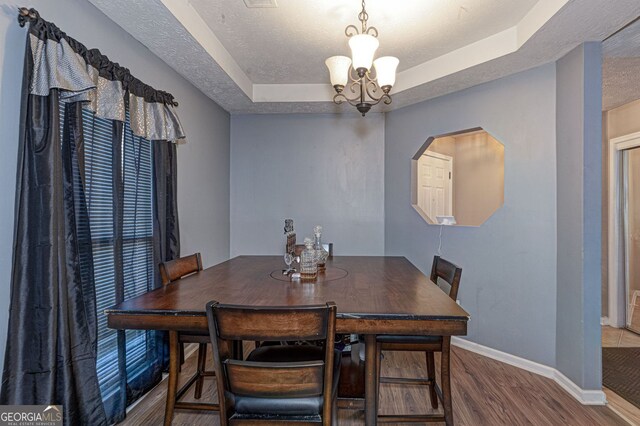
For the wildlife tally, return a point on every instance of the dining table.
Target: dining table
(375, 295)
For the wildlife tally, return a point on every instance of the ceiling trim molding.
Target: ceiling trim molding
(539, 15)
(202, 33)
(481, 51)
(292, 93)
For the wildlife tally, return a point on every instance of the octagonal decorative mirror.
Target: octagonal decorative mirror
(458, 178)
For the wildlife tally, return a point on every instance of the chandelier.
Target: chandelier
(368, 86)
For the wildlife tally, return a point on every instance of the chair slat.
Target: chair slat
(279, 324)
(275, 379)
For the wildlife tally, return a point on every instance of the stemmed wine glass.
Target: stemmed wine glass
(288, 260)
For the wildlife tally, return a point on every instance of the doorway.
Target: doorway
(624, 232)
(630, 192)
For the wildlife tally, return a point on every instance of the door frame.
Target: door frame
(615, 275)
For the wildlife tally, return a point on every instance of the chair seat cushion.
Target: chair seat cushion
(251, 406)
(408, 339)
(310, 406)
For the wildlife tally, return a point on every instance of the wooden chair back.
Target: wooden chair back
(443, 270)
(178, 268)
(229, 323)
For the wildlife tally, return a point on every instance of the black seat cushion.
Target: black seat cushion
(311, 406)
(408, 339)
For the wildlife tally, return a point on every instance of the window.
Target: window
(119, 200)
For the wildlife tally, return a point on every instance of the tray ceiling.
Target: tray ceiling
(289, 44)
(272, 59)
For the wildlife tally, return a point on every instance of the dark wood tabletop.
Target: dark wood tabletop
(373, 294)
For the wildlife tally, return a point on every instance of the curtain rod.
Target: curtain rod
(94, 58)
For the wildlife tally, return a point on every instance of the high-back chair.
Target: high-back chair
(275, 384)
(169, 272)
(173, 270)
(445, 275)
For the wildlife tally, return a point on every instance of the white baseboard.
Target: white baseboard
(604, 320)
(585, 397)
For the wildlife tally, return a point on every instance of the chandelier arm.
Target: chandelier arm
(386, 99)
(341, 97)
(371, 93)
(372, 31)
(351, 31)
(354, 86)
(371, 74)
(353, 74)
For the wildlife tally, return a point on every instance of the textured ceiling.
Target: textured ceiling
(289, 44)
(621, 67)
(189, 45)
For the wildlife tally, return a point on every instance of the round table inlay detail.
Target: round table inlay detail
(330, 274)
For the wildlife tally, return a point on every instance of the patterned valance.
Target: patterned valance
(83, 75)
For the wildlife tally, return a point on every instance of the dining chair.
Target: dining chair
(169, 272)
(278, 384)
(445, 275)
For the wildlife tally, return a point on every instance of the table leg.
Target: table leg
(445, 371)
(370, 381)
(172, 385)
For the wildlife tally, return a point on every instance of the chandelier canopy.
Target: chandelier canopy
(369, 86)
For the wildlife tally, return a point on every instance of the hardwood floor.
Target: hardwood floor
(622, 407)
(485, 392)
(619, 338)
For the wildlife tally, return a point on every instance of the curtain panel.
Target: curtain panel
(52, 347)
(51, 344)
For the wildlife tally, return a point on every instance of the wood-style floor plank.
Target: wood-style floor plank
(485, 392)
(622, 407)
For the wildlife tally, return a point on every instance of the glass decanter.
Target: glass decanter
(321, 254)
(308, 263)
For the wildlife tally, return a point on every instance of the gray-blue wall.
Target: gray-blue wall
(203, 162)
(316, 169)
(509, 263)
(579, 154)
(352, 175)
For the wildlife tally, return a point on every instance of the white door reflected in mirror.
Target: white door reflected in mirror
(435, 195)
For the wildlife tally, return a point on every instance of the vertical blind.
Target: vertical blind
(119, 198)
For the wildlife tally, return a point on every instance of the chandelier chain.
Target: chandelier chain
(363, 16)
